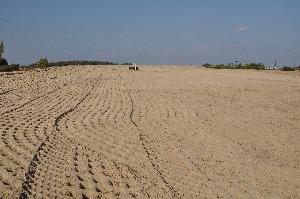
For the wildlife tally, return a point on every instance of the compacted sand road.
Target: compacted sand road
(172, 132)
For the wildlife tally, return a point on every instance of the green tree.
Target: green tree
(1, 49)
(287, 68)
(43, 63)
(207, 65)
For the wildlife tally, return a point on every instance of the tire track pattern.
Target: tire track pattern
(24, 130)
(105, 132)
(91, 135)
(30, 174)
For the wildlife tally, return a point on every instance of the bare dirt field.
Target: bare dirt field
(161, 132)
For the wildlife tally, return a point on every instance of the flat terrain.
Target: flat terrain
(173, 132)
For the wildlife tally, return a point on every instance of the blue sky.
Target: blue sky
(152, 31)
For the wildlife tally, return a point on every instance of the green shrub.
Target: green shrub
(287, 68)
(9, 68)
(43, 63)
(126, 64)
(74, 63)
(207, 65)
(3, 62)
(256, 66)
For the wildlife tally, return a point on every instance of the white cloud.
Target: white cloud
(240, 29)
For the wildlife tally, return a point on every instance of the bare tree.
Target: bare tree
(1, 49)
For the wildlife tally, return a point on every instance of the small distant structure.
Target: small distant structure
(272, 68)
(133, 67)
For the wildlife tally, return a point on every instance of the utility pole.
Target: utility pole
(276, 62)
(235, 62)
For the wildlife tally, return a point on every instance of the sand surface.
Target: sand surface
(174, 132)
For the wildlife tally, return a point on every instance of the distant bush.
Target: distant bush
(256, 66)
(43, 63)
(3, 62)
(287, 68)
(207, 65)
(126, 64)
(74, 63)
(80, 63)
(9, 68)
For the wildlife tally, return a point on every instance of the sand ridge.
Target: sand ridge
(162, 132)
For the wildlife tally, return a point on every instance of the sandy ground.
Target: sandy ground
(174, 132)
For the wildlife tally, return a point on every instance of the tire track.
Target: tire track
(30, 101)
(155, 167)
(5, 92)
(30, 174)
(56, 121)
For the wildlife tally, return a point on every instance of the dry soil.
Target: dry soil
(161, 132)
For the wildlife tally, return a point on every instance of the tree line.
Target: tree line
(43, 63)
(256, 66)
